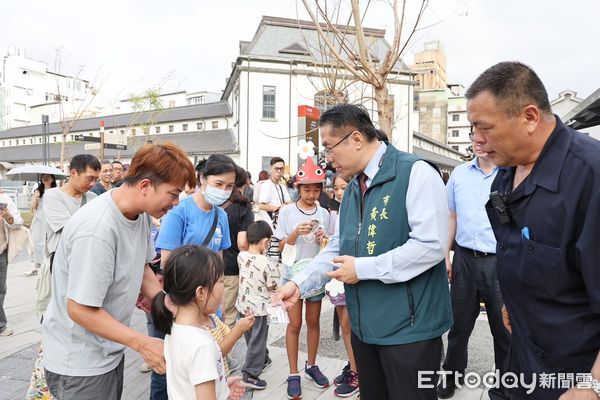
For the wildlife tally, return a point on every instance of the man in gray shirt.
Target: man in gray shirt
(100, 266)
(62, 202)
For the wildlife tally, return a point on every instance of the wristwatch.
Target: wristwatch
(595, 385)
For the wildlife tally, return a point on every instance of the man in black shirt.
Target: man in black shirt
(545, 212)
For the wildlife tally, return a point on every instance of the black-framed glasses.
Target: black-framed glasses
(326, 152)
(471, 135)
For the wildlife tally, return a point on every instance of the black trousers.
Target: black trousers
(474, 278)
(392, 372)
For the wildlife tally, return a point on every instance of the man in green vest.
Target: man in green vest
(389, 252)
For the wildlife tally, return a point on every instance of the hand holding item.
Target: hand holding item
(287, 294)
(237, 388)
(152, 351)
(246, 323)
(347, 270)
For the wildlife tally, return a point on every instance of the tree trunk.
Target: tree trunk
(384, 110)
(62, 149)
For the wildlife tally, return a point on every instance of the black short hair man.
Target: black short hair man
(118, 173)
(544, 212)
(390, 254)
(273, 195)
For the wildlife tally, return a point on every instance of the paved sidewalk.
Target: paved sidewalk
(17, 352)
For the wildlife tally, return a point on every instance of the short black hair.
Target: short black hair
(81, 162)
(350, 115)
(275, 160)
(118, 162)
(257, 231)
(513, 85)
(216, 164)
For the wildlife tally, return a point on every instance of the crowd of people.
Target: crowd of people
(403, 256)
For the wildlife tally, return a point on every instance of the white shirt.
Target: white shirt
(272, 194)
(193, 357)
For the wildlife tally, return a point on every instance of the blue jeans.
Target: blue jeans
(158, 382)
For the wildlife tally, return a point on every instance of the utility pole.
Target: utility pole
(45, 150)
(102, 139)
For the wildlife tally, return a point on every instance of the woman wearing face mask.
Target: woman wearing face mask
(192, 220)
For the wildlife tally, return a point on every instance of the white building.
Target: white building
(169, 100)
(201, 130)
(26, 84)
(565, 102)
(275, 73)
(458, 124)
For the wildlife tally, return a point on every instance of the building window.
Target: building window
(268, 102)
(3, 144)
(455, 133)
(30, 141)
(171, 103)
(10, 142)
(455, 148)
(171, 128)
(200, 126)
(122, 132)
(455, 117)
(72, 137)
(326, 98)
(54, 139)
(133, 131)
(17, 142)
(215, 124)
(184, 127)
(157, 129)
(40, 140)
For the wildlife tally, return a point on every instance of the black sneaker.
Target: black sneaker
(349, 387)
(268, 362)
(447, 387)
(253, 382)
(338, 380)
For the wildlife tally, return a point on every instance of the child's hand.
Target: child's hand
(245, 324)
(304, 228)
(320, 234)
(237, 388)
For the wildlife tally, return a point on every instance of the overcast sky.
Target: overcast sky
(128, 46)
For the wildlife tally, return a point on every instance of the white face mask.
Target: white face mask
(214, 196)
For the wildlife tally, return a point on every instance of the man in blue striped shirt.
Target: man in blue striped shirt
(472, 271)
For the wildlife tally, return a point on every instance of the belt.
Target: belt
(477, 253)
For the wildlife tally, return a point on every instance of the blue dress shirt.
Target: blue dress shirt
(468, 190)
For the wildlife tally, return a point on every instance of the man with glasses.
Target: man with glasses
(389, 253)
(273, 195)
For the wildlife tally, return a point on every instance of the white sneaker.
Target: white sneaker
(144, 367)
(6, 332)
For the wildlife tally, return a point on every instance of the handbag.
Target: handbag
(43, 284)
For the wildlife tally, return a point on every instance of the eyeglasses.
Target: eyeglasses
(326, 152)
(278, 168)
(471, 135)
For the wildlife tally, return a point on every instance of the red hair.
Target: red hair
(161, 163)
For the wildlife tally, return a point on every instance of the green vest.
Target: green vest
(398, 313)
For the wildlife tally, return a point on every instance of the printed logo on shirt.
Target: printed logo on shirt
(217, 237)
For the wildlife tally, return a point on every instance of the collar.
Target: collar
(548, 167)
(474, 163)
(375, 162)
